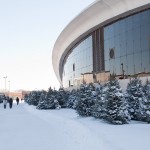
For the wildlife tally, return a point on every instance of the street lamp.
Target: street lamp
(5, 82)
(9, 87)
(83, 77)
(122, 71)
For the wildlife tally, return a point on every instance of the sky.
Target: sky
(28, 31)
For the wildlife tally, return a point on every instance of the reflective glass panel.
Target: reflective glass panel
(78, 61)
(131, 44)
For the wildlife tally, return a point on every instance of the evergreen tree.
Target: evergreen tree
(56, 103)
(99, 108)
(137, 100)
(49, 99)
(29, 100)
(42, 100)
(86, 100)
(117, 111)
(73, 99)
(62, 97)
(146, 90)
(1, 98)
(33, 98)
(26, 98)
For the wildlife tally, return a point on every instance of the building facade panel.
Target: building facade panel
(129, 39)
(119, 43)
(121, 46)
(78, 62)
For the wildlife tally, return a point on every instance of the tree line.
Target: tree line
(107, 102)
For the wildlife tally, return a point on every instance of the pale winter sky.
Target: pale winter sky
(28, 31)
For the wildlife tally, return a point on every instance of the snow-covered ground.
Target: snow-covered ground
(25, 128)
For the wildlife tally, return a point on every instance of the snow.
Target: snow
(25, 128)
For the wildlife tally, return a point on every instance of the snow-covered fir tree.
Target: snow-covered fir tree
(2, 97)
(42, 100)
(137, 101)
(33, 98)
(117, 108)
(73, 99)
(86, 100)
(146, 90)
(99, 107)
(26, 97)
(62, 97)
(51, 102)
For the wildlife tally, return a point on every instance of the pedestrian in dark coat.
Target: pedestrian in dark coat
(10, 102)
(4, 102)
(17, 100)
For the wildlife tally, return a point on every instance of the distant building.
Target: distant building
(19, 94)
(109, 37)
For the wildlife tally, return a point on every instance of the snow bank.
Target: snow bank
(26, 128)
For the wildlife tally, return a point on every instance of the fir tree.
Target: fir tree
(137, 100)
(73, 99)
(117, 111)
(42, 100)
(33, 98)
(99, 107)
(45, 99)
(26, 97)
(62, 97)
(86, 100)
(49, 99)
(146, 90)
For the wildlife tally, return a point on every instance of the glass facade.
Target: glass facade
(121, 48)
(78, 62)
(129, 39)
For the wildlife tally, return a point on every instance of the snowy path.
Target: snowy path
(25, 128)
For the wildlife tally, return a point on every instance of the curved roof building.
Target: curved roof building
(108, 37)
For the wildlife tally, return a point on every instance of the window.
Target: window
(73, 67)
(111, 53)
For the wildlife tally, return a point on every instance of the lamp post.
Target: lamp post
(5, 82)
(83, 77)
(9, 87)
(122, 70)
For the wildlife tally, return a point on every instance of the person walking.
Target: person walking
(17, 100)
(4, 102)
(10, 102)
